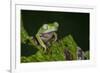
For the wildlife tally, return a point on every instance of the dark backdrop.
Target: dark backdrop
(73, 23)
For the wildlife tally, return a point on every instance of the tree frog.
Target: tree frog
(46, 33)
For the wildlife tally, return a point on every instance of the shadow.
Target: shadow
(27, 50)
(8, 70)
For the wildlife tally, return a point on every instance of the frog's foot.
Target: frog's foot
(44, 48)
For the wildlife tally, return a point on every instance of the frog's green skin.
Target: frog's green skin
(46, 32)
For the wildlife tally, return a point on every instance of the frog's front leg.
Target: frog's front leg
(55, 36)
(40, 41)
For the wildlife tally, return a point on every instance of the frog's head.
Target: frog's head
(50, 27)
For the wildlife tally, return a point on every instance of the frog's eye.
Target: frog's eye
(45, 26)
(56, 24)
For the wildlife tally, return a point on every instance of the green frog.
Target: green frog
(46, 33)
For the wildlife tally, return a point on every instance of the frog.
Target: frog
(46, 33)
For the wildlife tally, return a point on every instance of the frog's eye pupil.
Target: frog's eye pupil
(45, 26)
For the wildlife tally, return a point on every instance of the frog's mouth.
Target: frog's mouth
(48, 31)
